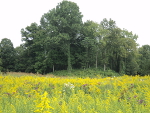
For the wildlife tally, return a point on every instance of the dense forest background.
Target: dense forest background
(63, 41)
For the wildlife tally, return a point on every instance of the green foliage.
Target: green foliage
(1, 65)
(63, 24)
(63, 42)
(91, 72)
(118, 45)
(7, 55)
(144, 60)
(90, 41)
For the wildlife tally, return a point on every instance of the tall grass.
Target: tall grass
(31, 94)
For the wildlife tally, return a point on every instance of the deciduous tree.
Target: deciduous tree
(7, 55)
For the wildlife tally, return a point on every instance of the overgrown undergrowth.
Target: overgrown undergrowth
(30, 94)
(92, 73)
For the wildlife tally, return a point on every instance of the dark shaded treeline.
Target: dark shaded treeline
(63, 42)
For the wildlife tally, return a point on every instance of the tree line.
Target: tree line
(63, 41)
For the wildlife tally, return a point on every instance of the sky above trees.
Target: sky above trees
(131, 15)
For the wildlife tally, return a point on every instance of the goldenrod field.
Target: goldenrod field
(34, 94)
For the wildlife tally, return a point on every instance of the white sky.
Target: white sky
(133, 15)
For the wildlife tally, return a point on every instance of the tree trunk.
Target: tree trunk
(105, 60)
(104, 67)
(96, 61)
(53, 68)
(69, 59)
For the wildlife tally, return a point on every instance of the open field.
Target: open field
(49, 94)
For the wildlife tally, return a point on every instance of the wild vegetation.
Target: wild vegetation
(36, 94)
(62, 41)
(79, 67)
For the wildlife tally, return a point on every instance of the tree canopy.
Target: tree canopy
(62, 41)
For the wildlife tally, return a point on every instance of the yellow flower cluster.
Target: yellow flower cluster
(43, 104)
(30, 94)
